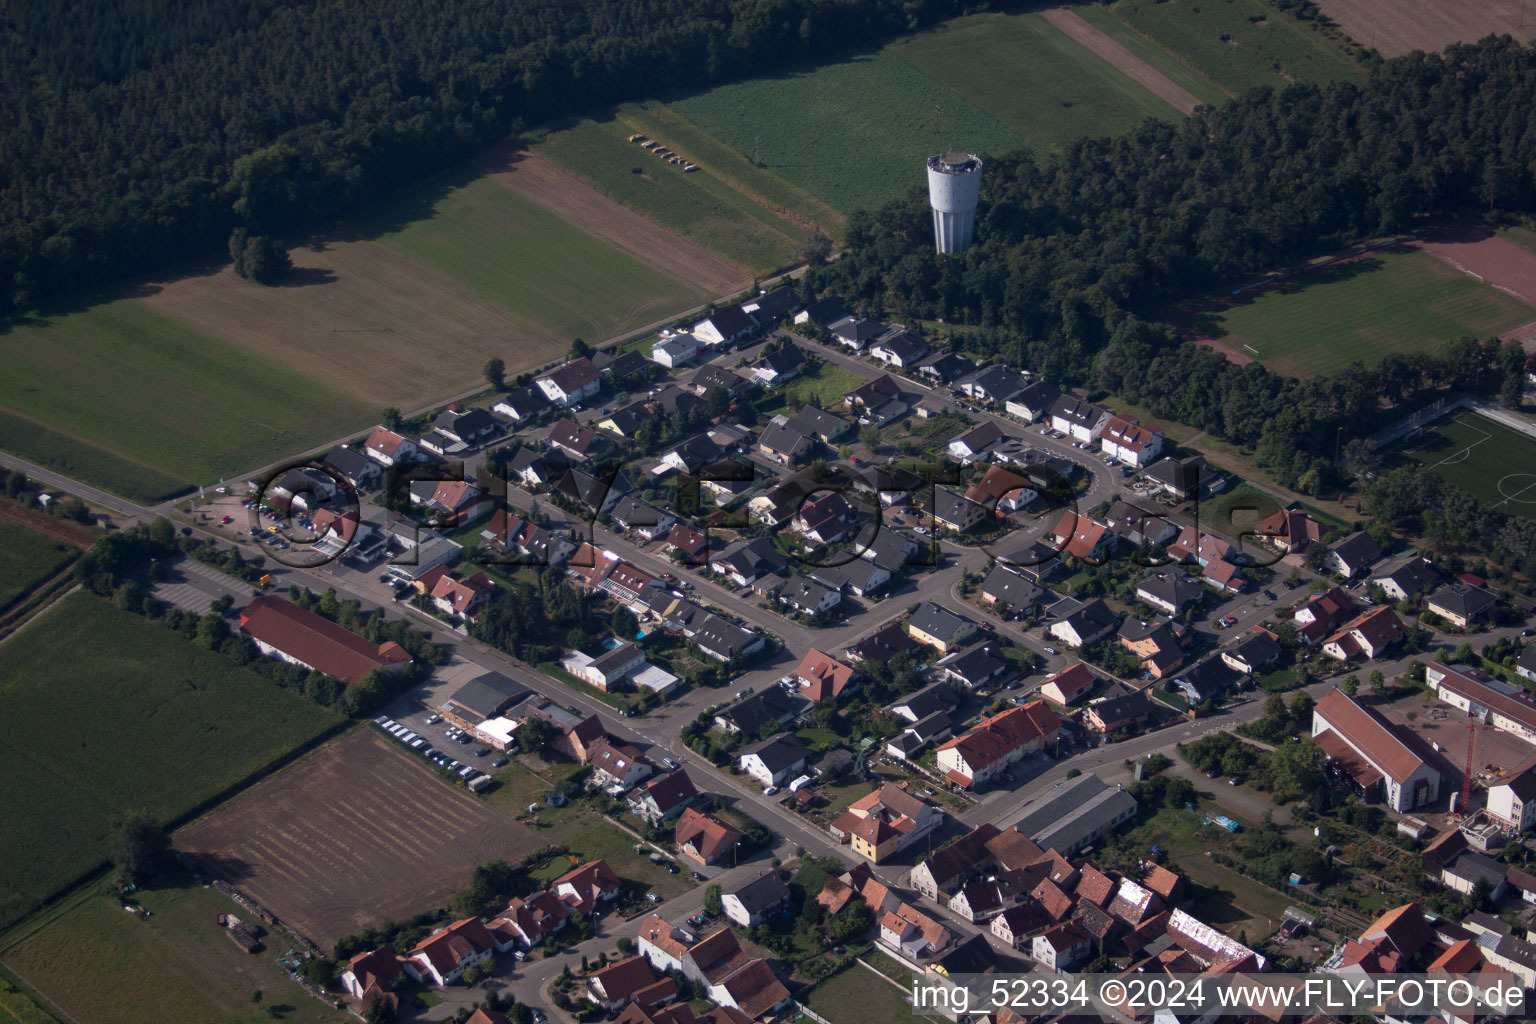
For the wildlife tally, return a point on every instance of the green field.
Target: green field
(139, 403)
(857, 995)
(107, 711)
(27, 558)
(1394, 301)
(854, 133)
(1238, 44)
(175, 967)
(828, 384)
(1482, 457)
(521, 257)
(1033, 78)
(1174, 69)
(699, 206)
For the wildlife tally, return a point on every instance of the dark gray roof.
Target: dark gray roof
(826, 311)
(780, 438)
(1128, 705)
(804, 593)
(770, 704)
(1210, 676)
(754, 557)
(1475, 866)
(350, 464)
(929, 701)
(856, 329)
(711, 376)
(1040, 395)
(1068, 817)
(1463, 600)
(1176, 590)
(1256, 649)
(999, 382)
(977, 665)
(777, 752)
(626, 365)
(1006, 586)
(526, 402)
(883, 644)
(1076, 411)
(946, 366)
(590, 490)
(628, 419)
(1412, 576)
(813, 422)
(938, 621)
(612, 661)
(1090, 618)
(906, 345)
(722, 637)
(675, 400)
(764, 891)
(731, 321)
(1358, 550)
(774, 304)
(489, 695)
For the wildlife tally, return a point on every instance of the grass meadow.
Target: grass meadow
(107, 712)
(1238, 44)
(853, 133)
(130, 399)
(1482, 457)
(98, 963)
(1040, 83)
(1395, 301)
(699, 206)
(27, 558)
(517, 255)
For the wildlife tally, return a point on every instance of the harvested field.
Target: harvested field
(546, 182)
(355, 834)
(1429, 25)
(1138, 70)
(405, 333)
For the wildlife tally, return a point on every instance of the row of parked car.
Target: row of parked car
(473, 777)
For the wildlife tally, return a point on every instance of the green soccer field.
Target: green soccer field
(1482, 457)
(132, 400)
(1393, 301)
(108, 711)
(522, 257)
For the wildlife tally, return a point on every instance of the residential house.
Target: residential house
(873, 393)
(822, 677)
(522, 406)
(945, 367)
(1158, 645)
(1525, 665)
(1319, 616)
(885, 822)
(725, 641)
(774, 760)
(623, 369)
(855, 332)
(586, 887)
(1006, 588)
(912, 933)
(992, 384)
(900, 347)
(613, 987)
(626, 421)
(609, 670)
(1033, 402)
(859, 577)
(1254, 652)
(641, 518)
(675, 401)
(778, 366)
(943, 872)
(747, 716)
(1127, 441)
(725, 480)
(442, 957)
(705, 838)
(1112, 714)
(663, 798)
(388, 448)
(1290, 530)
(818, 424)
(1079, 420)
(771, 306)
(1016, 924)
(933, 699)
(468, 427)
(1368, 634)
(1207, 679)
(952, 511)
(1062, 948)
(1081, 537)
(372, 975)
(1184, 479)
(618, 765)
(809, 597)
(1462, 606)
(675, 348)
(779, 504)
(1139, 527)
(570, 383)
(578, 442)
(997, 741)
(535, 468)
(822, 312)
(975, 441)
(1373, 756)
(451, 502)
(510, 534)
(1002, 490)
(1170, 592)
(358, 468)
(940, 628)
(783, 444)
(978, 668)
(762, 899)
(725, 327)
(1512, 797)
(1087, 624)
(462, 597)
(823, 519)
(1353, 555)
(745, 561)
(1406, 578)
(1070, 685)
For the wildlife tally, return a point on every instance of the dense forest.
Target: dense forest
(1080, 255)
(143, 132)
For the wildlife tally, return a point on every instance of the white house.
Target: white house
(900, 347)
(1127, 441)
(774, 760)
(765, 897)
(1063, 947)
(1079, 420)
(1512, 799)
(570, 383)
(675, 349)
(388, 448)
(442, 957)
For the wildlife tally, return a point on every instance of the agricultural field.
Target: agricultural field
(698, 205)
(97, 963)
(153, 405)
(1238, 44)
(27, 558)
(517, 255)
(1166, 63)
(1482, 457)
(356, 833)
(1392, 301)
(107, 712)
(853, 133)
(1429, 25)
(1039, 82)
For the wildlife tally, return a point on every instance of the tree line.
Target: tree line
(148, 134)
(1081, 257)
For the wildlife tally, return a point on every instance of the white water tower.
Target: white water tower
(954, 183)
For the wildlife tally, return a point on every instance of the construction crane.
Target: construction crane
(1466, 776)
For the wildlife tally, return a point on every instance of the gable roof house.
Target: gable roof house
(1158, 644)
(1033, 402)
(1070, 685)
(1081, 537)
(536, 467)
(663, 797)
(625, 422)
(614, 986)
(764, 897)
(945, 870)
(954, 511)
(882, 823)
(725, 641)
(773, 760)
(977, 668)
(1368, 634)
(725, 327)
(372, 975)
(570, 383)
(745, 561)
(1076, 815)
(859, 577)
(1002, 490)
(900, 347)
(469, 427)
(993, 383)
(1290, 529)
(1114, 713)
(584, 887)
(771, 305)
(1318, 617)
(818, 424)
(1512, 797)
(675, 348)
(822, 311)
(705, 838)
(1018, 593)
(578, 442)
(997, 741)
(388, 448)
(975, 441)
(523, 405)
(442, 957)
(1127, 441)
(1170, 592)
(1353, 555)
(1086, 624)
(748, 716)
(782, 443)
(357, 467)
(822, 677)
(873, 392)
(1079, 420)
(281, 629)
(938, 627)
(1184, 478)
(1257, 650)
(1372, 755)
(855, 332)
(463, 597)
(778, 366)
(1406, 579)
(945, 367)
(809, 597)
(641, 518)
(508, 534)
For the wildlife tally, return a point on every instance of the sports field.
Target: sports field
(107, 711)
(1238, 44)
(1399, 300)
(98, 963)
(135, 401)
(27, 558)
(698, 205)
(1482, 457)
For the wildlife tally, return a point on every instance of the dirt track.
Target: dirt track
(549, 184)
(350, 836)
(1405, 25)
(1499, 262)
(1127, 62)
(70, 533)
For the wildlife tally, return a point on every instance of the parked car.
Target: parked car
(434, 719)
(669, 764)
(770, 790)
(1049, 650)
(698, 876)
(653, 897)
(500, 762)
(1236, 780)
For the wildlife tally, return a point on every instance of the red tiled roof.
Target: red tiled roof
(384, 441)
(316, 641)
(587, 881)
(994, 737)
(997, 482)
(1012, 849)
(572, 375)
(1379, 627)
(1072, 680)
(1404, 929)
(447, 947)
(706, 833)
(1129, 433)
(623, 978)
(670, 790)
(1369, 735)
(377, 968)
(1082, 536)
(825, 676)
